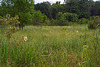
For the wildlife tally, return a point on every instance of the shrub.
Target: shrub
(47, 22)
(83, 21)
(25, 19)
(63, 19)
(53, 22)
(70, 17)
(39, 18)
(91, 25)
(95, 23)
(13, 24)
(2, 22)
(0, 17)
(61, 22)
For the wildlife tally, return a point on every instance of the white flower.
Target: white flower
(25, 38)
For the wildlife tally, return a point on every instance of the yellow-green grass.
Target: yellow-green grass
(51, 46)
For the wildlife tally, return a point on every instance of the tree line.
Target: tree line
(46, 14)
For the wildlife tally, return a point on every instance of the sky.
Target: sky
(52, 1)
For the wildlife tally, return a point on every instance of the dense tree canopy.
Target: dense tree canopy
(44, 8)
(21, 8)
(97, 8)
(56, 8)
(30, 13)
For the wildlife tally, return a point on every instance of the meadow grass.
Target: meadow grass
(51, 46)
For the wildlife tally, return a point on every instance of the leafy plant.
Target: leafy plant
(13, 25)
(95, 23)
(83, 21)
(38, 18)
(64, 18)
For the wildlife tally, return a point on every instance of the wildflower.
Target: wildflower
(25, 38)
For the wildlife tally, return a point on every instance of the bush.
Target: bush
(39, 18)
(0, 17)
(63, 19)
(47, 22)
(91, 25)
(2, 22)
(95, 23)
(62, 22)
(83, 21)
(70, 17)
(53, 22)
(25, 19)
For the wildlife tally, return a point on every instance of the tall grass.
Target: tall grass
(51, 46)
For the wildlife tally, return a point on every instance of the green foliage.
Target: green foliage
(47, 22)
(59, 15)
(72, 6)
(53, 22)
(44, 8)
(61, 19)
(84, 9)
(4, 9)
(64, 18)
(92, 25)
(12, 24)
(38, 18)
(2, 22)
(0, 17)
(27, 15)
(95, 23)
(96, 8)
(51, 46)
(83, 21)
(22, 8)
(80, 7)
(71, 17)
(25, 18)
(55, 8)
(84, 56)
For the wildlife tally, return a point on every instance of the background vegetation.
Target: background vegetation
(29, 13)
(49, 35)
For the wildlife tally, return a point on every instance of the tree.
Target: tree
(1, 13)
(44, 8)
(4, 9)
(57, 8)
(84, 8)
(38, 18)
(97, 8)
(72, 6)
(21, 8)
(80, 7)
(64, 18)
(61, 20)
